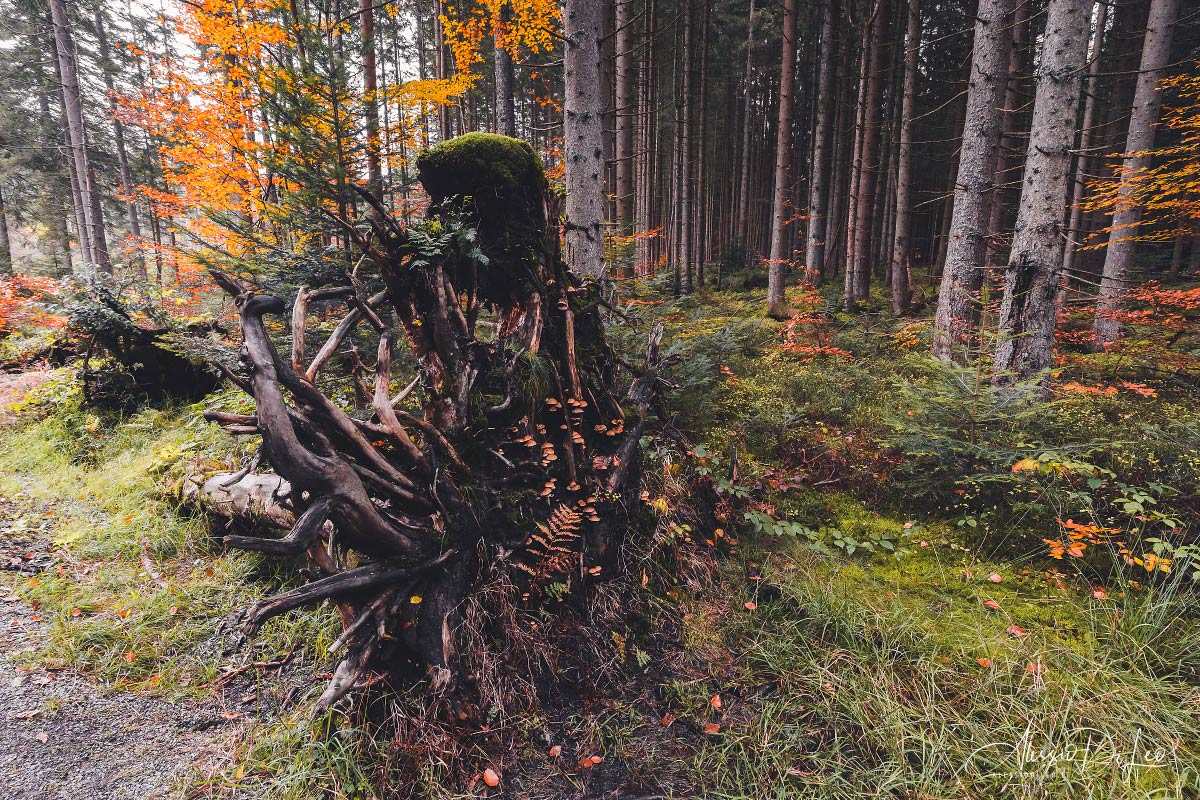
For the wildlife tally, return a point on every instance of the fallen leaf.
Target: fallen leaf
(1099, 593)
(992, 604)
(1017, 630)
(995, 578)
(984, 662)
(556, 751)
(130, 656)
(667, 719)
(1035, 668)
(750, 605)
(715, 702)
(712, 728)
(491, 777)
(415, 599)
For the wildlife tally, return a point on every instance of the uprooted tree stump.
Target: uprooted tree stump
(137, 360)
(521, 460)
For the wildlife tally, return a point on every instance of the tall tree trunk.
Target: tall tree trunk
(626, 118)
(853, 197)
(779, 257)
(962, 277)
(647, 150)
(743, 209)
(700, 220)
(1083, 159)
(1008, 166)
(1147, 103)
(684, 106)
(870, 159)
(822, 166)
(439, 65)
(506, 112)
(127, 187)
(1028, 312)
(901, 281)
(79, 203)
(584, 208)
(366, 18)
(6, 261)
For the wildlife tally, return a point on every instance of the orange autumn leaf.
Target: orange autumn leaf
(712, 728)
(491, 777)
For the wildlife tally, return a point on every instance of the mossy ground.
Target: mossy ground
(849, 674)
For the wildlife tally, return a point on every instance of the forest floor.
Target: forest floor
(868, 636)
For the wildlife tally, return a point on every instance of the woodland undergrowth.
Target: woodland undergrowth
(895, 583)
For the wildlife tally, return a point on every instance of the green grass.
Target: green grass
(139, 584)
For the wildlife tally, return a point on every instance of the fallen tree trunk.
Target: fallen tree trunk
(518, 465)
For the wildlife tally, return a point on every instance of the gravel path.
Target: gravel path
(63, 738)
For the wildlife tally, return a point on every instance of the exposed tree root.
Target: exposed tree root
(519, 462)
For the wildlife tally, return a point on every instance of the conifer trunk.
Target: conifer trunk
(1147, 103)
(818, 196)
(776, 296)
(1083, 161)
(1027, 314)
(901, 289)
(963, 273)
(584, 208)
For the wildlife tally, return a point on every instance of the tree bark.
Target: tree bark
(6, 261)
(506, 112)
(743, 208)
(1028, 312)
(818, 196)
(89, 196)
(870, 157)
(366, 19)
(901, 280)
(584, 211)
(684, 120)
(1147, 103)
(626, 118)
(127, 187)
(963, 273)
(1083, 159)
(779, 255)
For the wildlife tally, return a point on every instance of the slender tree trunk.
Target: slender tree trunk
(1147, 103)
(646, 171)
(700, 221)
(127, 187)
(89, 196)
(79, 201)
(684, 211)
(853, 197)
(1008, 166)
(1027, 315)
(506, 111)
(818, 195)
(6, 260)
(901, 281)
(1176, 256)
(776, 296)
(870, 159)
(439, 65)
(626, 119)
(962, 277)
(584, 145)
(743, 210)
(1083, 159)
(366, 18)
